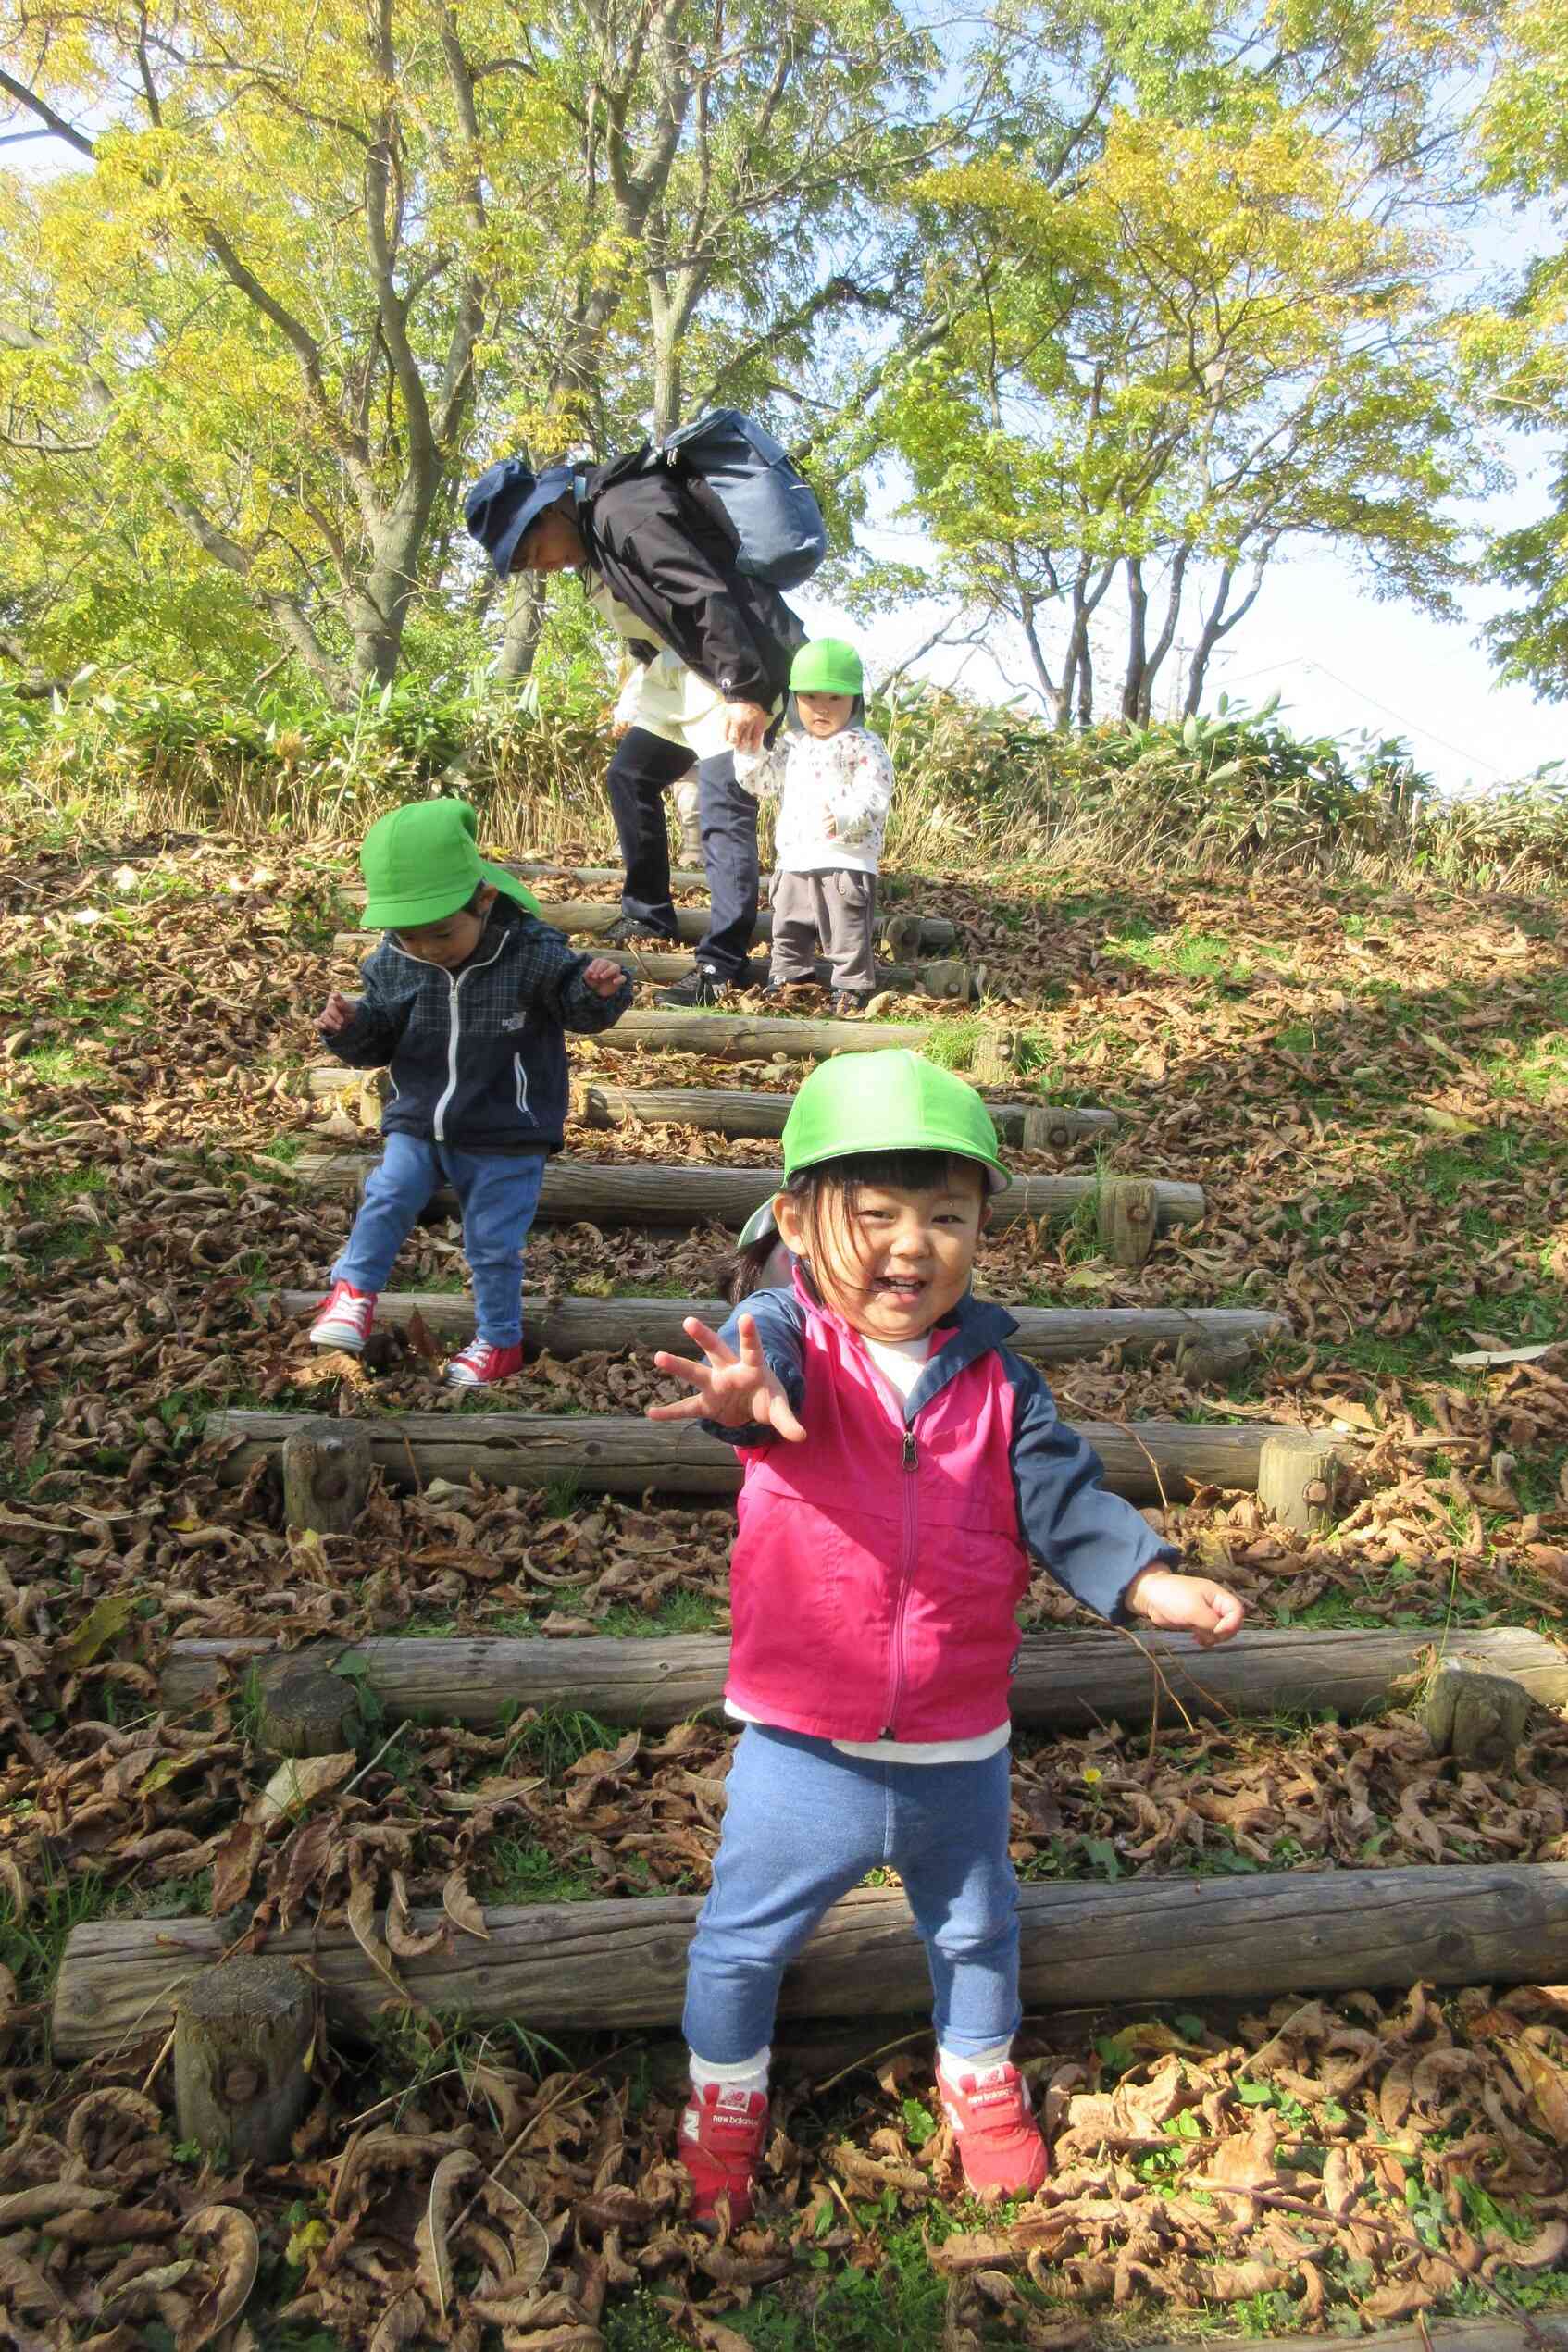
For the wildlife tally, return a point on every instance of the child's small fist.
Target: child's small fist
(602, 977)
(1197, 1605)
(336, 1015)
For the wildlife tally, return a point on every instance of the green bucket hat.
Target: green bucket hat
(827, 666)
(893, 1101)
(420, 864)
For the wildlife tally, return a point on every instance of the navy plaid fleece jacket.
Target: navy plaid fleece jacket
(477, 1057)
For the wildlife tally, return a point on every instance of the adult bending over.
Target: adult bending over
(659, 559)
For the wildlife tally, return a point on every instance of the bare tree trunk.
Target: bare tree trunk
(1163, 643)
(1078, 671)
(525, 626)
(1218, 624)
(1137, 620)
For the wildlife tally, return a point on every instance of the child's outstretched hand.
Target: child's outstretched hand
(1186, 1604)
(602, 977)
(336, 1015)
(735, 1390)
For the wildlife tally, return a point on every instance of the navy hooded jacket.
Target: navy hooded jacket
(477, 1056)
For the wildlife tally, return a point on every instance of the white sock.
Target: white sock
(976, 2062)
(741, 2074)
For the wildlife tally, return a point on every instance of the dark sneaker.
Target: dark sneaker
(704, 984)
(626, 931)
(851, 1000)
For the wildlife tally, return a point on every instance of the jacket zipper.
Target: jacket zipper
(906, 1576)
(454, 981)
(454, 1028)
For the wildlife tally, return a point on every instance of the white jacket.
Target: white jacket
(835, 798)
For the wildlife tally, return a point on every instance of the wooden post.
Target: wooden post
(1051, 1131)
(1475, 1717)
(992, 1062)
(244, 2034)
(305, 1712)
(1298, 1472)
(951, 980)
(902, 933)
(1129, 1215)
(326, 1475)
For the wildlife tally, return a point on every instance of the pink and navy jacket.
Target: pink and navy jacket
(879, 1566)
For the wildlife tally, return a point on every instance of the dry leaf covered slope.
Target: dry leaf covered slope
(1372, 1095)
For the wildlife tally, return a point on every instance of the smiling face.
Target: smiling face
(551, 545)
(452, 940)
(890, 1259)
(824, 715)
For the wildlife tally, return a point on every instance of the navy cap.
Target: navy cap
(505, 501)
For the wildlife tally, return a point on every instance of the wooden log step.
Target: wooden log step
(1046, 1126)
(1063, 1680)
(580, 1327)
(931, 934)
(646, 1192)
(736, 1037)
(611, 1965)
(950, 979)
(627, 1456)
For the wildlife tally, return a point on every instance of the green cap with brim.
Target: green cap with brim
(890, 1101)
(860, 1103)
(420, 864)
(827, 666)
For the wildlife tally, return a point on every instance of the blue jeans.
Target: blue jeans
(498, 1194)
(802, 1825)
(644, 768)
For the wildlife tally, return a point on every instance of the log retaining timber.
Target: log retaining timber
(950, 979)
(653, 1192)
(1044, 1126)
(1063, 1680)
(581, 1327)
(614, 1965)
(1143, 1459)
(587, 917)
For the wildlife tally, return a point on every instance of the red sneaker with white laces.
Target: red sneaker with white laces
(723, 2134)
(998, 2140)
(478, 1365)
(343, 1318)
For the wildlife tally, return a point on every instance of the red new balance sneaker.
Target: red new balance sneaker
(478, 1365)
(722, 2137)
(994, 2130)
(343, 1318)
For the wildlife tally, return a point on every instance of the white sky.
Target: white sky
(1341, 660)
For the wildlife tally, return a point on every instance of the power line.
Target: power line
(1411, 726)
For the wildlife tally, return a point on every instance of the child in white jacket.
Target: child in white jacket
(837, 782)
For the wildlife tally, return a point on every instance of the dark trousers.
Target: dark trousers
(640, 774)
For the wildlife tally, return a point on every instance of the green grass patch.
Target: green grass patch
(519, 1869)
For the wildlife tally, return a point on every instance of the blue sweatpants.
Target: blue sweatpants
(803, 1823)
(498, 1194)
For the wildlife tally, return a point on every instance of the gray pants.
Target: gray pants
(835, 907)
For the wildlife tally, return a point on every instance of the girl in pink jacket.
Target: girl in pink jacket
(903, 1467)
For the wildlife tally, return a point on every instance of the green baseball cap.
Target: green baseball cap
(893, 1101)
(827, 666)
(420, 864)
